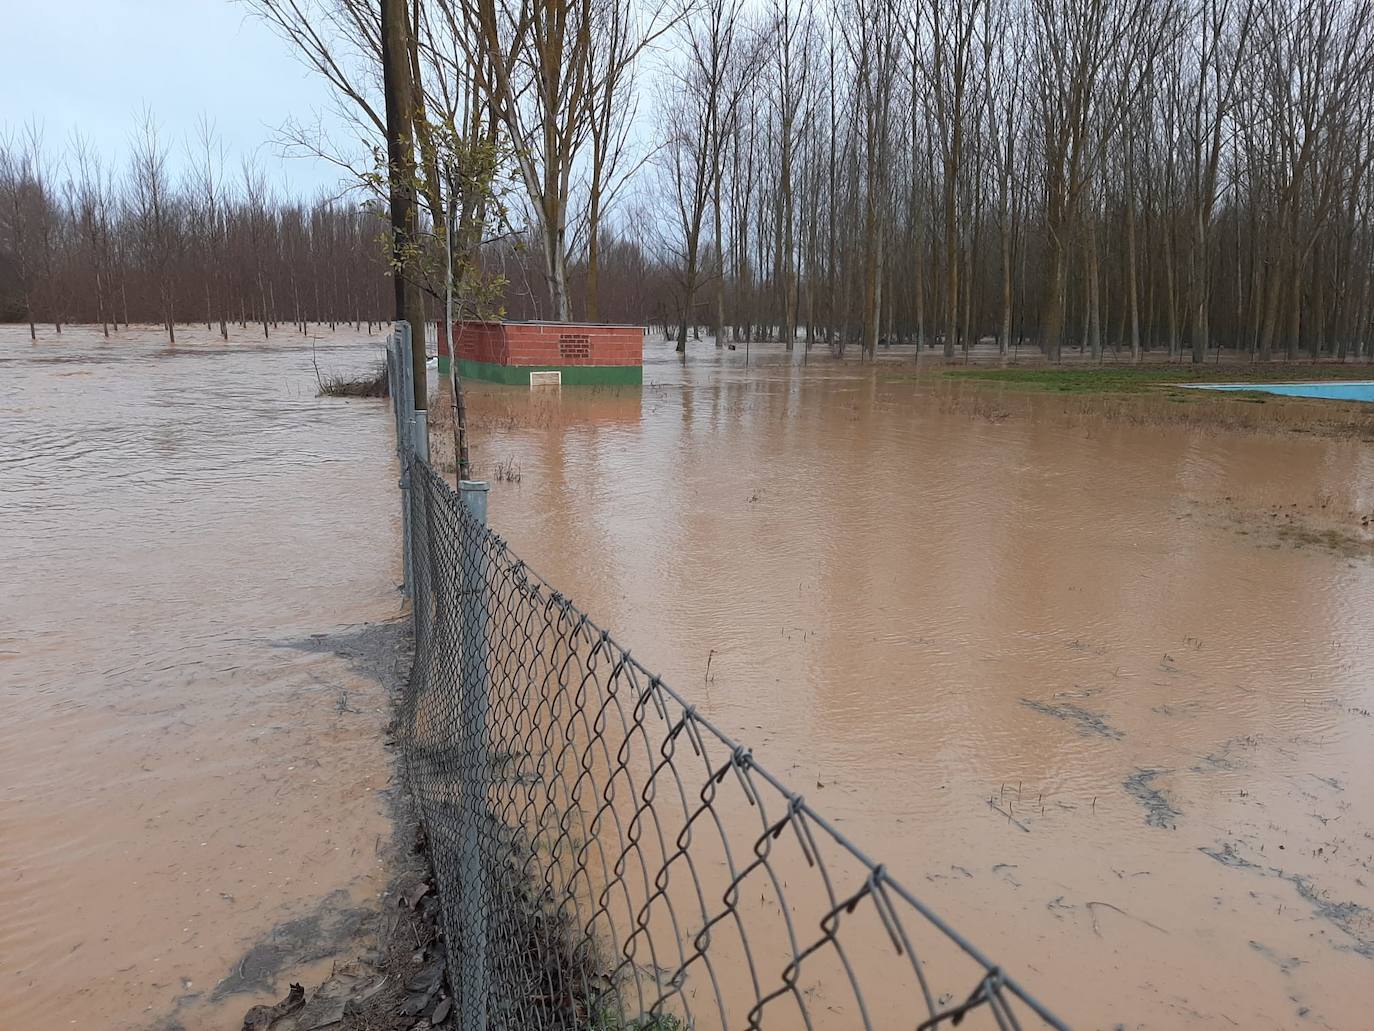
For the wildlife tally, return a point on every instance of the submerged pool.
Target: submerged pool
(1354, 390)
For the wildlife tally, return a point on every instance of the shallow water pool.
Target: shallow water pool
(1358, 390)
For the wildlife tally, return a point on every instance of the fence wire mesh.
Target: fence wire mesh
(607, 858)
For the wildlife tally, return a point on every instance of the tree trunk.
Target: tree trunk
(1200, 288)
(593, 274)
(1132, 277)
(1317, 321)
(872, 295)
(1052, 322)
(100, 303)
(593, 239)
(951, 266)
(1171, 291)
(1093, 275)
(720, 266)
(789, 275)
(689, 296)
(1295, 312)
(1004, 332)
(399, 94)
(918, 288)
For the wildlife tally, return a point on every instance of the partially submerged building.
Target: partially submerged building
(534, 353)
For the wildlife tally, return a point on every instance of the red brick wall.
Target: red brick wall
(549, 343)
(481, 342)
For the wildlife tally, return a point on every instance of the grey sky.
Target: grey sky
(94, 64)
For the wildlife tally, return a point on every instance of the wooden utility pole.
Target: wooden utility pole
(400, 153)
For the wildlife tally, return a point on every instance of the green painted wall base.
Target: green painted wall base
(443, 365)
(573, 375)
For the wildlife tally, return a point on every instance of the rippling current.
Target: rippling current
(181, 769)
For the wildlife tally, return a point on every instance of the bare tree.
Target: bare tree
(21, 206)
(942, 43)
(89, 199)
(156, 214)
(1090, 60)
(1219, 48)
(870, 32)
(790, 38)
(1134, 176)
(699, 100)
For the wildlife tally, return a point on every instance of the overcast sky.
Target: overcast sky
(95, 64)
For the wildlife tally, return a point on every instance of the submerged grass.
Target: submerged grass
(1140, 378)
(1155, 395)
(368, 384)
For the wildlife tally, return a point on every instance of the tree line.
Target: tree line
(1138, 175)
(1176, 177)
(84, 238)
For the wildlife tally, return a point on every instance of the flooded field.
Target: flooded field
(1101, 693)
(190, 777)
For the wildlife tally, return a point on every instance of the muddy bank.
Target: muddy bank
(390, 976)
(340, 934)
(386, 970)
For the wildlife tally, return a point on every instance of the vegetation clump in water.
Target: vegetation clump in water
(1086, 721)
(369, 384)
(1159, 811)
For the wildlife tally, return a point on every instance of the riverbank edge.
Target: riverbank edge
(395, 975)
(389, 967)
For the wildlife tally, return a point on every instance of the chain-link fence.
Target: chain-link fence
(606, 857)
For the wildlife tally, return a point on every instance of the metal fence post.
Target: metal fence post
(398, 377)
(393, 387)
(473, 889)
(405, 438)
(420, 431)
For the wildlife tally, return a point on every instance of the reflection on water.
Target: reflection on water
(175, 777)
(1119, 742)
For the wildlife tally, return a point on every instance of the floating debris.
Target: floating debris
(1158, 811)
(1226, 855)
(1088, 722)
(1354, 919)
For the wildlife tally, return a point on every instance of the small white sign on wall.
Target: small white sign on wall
(546, 379)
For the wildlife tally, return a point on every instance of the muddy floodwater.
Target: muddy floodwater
(1101, 693)
(191, 776)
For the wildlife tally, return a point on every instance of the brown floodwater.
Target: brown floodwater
(186, 771)
(1148, 645)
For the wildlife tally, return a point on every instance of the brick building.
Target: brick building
(579, 352)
